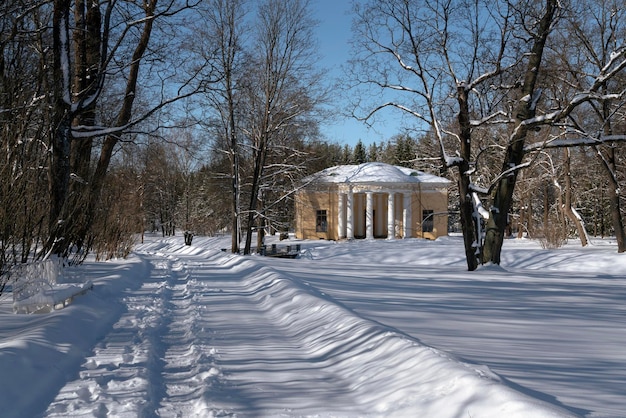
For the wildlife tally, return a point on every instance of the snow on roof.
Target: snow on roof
(373, 172)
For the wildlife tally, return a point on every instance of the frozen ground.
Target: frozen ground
(363, 328)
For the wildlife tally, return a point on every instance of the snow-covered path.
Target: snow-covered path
(130, 371)
(194, 331)
(189, 323)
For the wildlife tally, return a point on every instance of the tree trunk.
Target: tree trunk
(59, 171)
(616, 217)
(608, 163)
(235, 208)
(470, 238)
(87, 55)
(124, 116)
(525, 110)
(520, 223)
(607, 160)
(568, 210)
(234, 152)
(524, 215)
(260, 234)
(259, 163)
(546, 210)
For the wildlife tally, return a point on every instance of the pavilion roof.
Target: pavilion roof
(374, 172)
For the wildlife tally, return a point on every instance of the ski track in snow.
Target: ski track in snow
(153, 360)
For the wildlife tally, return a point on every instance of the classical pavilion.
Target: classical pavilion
(372, 200)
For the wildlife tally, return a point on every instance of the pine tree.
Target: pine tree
(372, 152)
(404, 154)
(358, 155)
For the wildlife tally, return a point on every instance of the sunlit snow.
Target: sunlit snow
(375, 328)
(374, 172)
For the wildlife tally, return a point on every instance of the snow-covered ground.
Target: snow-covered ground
(350, 329)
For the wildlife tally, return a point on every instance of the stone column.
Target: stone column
(369, 216)
(340, 217)
(349, 216)
(406, 216)
(391, 216)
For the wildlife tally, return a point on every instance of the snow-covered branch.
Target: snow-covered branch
(592, 94)
(480, 209)
(614, 65)
(478, 189)
(490, 118)
(87, 131)
(83, 131)
(575, 142)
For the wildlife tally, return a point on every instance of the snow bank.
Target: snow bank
(37, 289)
(392, 374)
(188, 330)
(38, 353)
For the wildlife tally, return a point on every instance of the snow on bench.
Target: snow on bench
(37, 289)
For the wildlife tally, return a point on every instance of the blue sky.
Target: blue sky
(334, 32)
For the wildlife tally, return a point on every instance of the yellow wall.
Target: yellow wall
(307, 205)
(309, 201)
(437, 201)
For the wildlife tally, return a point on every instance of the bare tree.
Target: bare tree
(525, 109)
(568, 207)
(120, 214)
(96, 46)
(481, 61)
(222, 46)
(162, 179)
(592, 43)
(23, 121)
(428, 58)
(281, 85)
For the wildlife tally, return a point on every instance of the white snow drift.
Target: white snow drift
(347, 330)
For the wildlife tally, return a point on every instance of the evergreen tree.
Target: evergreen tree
(404, 151)
(359, 155)
(346, 155)
(372, 152)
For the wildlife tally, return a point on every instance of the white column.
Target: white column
(340, 216)
(406, 216)
(349, 216)
(369, 216)
(391, 216)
